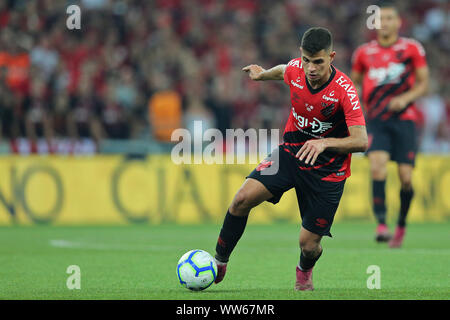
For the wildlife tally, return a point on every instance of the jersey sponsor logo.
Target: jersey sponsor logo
(317, 126)
(294, 63)
(372, 50)
(389, 74)
(296, 84)
(351, 92)
(329, 97)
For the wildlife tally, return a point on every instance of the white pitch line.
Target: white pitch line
(61, 243)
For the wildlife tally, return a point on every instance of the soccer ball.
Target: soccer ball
(196, 270)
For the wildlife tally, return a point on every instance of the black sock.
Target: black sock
(307, 263)
(379, 198)
(232, 229)
(405, 200)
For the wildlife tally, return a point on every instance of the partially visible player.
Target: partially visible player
(325, 125)
(393, 73)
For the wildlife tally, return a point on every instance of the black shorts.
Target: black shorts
(397, 137)
(317, 199)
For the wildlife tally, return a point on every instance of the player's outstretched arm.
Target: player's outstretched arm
(258, 73)
(357, 141)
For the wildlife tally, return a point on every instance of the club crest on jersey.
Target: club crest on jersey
(295, 97)
(327, 109)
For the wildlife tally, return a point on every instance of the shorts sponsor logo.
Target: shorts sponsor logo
(321, 223)
(264, 165)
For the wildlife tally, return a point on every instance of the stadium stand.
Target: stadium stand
(75, 91)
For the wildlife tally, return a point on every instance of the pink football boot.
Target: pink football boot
(304, 280)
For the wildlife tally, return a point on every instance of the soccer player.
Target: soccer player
(393, 73)
(325, 125)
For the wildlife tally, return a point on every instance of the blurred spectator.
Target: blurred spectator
(164, 113)
(434, 111)
(37, 115)
(197, 113)
(44, 57)
(107, 80)
(8, 119)
(84, 116)
(114, 115)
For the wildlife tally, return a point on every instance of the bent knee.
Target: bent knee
(405, 176)
(378, 165)
(310, 248)
(242, 203)
(378, 170)
(406, 184)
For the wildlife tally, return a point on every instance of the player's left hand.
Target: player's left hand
(397, 104)
(311, 150)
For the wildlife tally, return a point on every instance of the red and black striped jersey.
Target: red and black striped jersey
(388, 72)
(319, 113)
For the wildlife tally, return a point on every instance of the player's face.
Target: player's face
(316, 66)
(390, 22)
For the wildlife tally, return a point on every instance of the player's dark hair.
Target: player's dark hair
(316, 39)
(387, 4)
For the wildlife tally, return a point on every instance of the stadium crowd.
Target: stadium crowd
(98, 82)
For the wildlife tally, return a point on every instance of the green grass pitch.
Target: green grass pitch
(139, 262)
